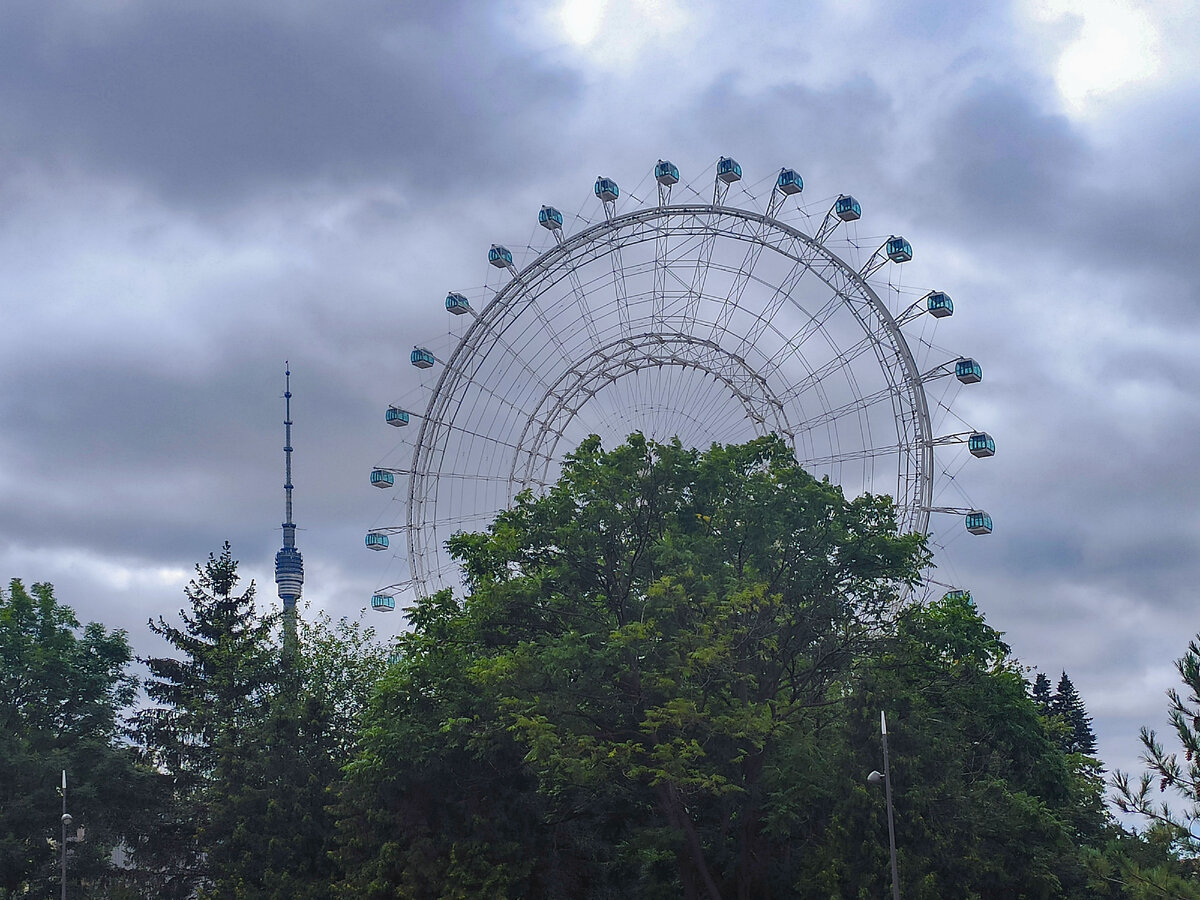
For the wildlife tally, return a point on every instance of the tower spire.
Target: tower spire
(289, 564)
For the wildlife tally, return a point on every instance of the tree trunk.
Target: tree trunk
(751, 871)
(672, 805)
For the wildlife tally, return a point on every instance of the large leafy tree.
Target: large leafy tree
(620, 705)
(62, 689)
(988, 803)
(277, 825)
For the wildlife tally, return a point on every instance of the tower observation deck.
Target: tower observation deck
(289, 564)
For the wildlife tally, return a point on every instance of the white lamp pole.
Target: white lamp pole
(886, 778)
(66, 820)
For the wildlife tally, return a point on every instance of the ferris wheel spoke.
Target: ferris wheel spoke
(618, 284)
(837, 363)
(471, 355)
(458, 521)
(815, 323)
(703, 260)
(741, 279)
(585, 311)
(661, 248)
(491, 438)
(471, 476)
(781, 295)
(856, 405)
(581, 302)
(548, 329)
(472, 378)
(886, 450)
(565, 400)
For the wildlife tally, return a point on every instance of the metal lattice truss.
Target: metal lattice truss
(538, 447)
(701, 321)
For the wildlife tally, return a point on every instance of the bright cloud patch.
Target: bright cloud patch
(1115, 45)
(581, 19)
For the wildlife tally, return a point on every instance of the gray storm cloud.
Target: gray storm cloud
(193, 193)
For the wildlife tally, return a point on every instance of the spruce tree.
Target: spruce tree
(1041, 693)
(1068, 706)
(211, 703)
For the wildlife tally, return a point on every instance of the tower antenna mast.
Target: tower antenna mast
(289, 564)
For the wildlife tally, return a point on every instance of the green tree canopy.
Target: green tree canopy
(274, 824)
(988, 803)
(62, 689)
(250, 731)
(618, 706)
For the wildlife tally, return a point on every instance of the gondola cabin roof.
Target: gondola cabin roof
(968, 371)
(981, 444)
(665, 173)
(499, 256)
(728, 170)
(899, 250)
(979, 522)
(847, 209)
(939, 304)
(606, 189)
(789, 181)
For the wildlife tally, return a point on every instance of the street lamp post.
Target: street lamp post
(886, 778)
(66, 820)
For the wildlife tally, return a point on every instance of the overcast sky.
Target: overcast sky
(193, 192)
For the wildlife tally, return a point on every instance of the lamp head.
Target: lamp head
(66, 819)
(875, 778)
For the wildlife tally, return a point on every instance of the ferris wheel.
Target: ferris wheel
(713, 313)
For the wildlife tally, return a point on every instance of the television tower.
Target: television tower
(289, 564)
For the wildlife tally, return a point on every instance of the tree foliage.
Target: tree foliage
(208, 701)
(1172, 826)
(988, 804)
(250, 733)
(1069, 707)
(277, 816)
(1041, 693)
(666, 681)
(1066, 714)
(646, 653)
(62, 687)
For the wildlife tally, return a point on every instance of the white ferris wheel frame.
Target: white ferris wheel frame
(636, 345)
